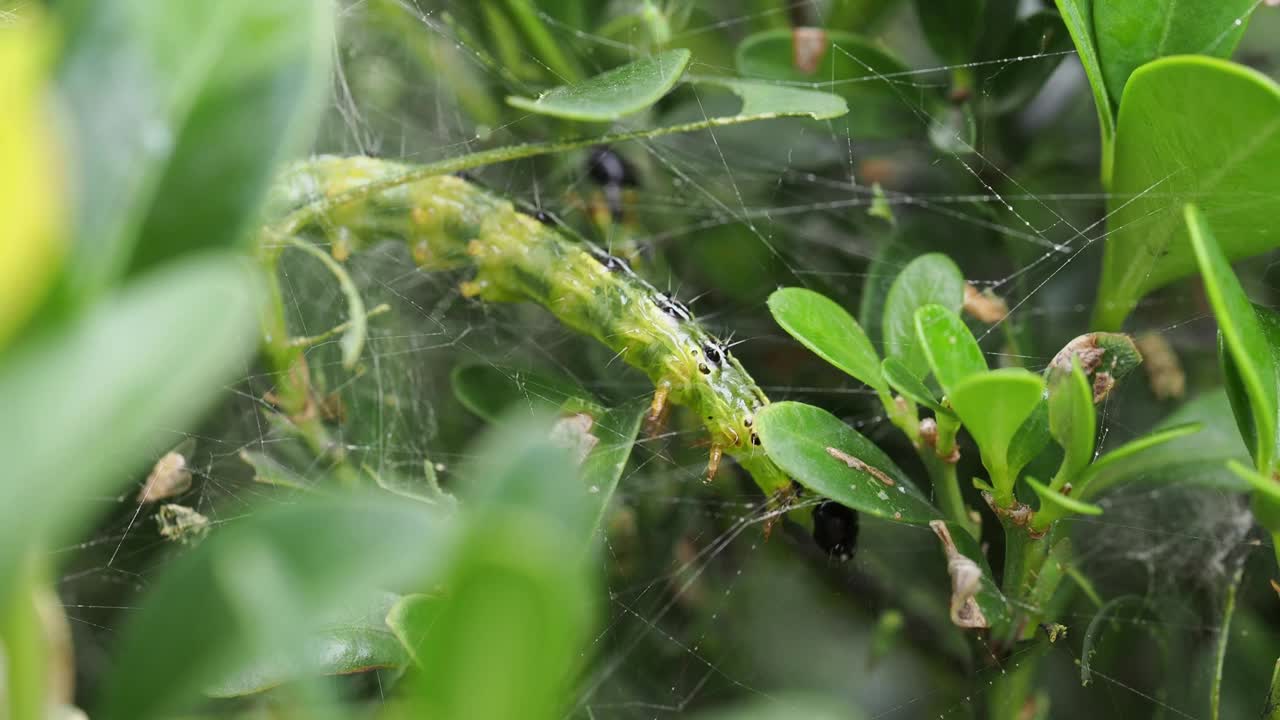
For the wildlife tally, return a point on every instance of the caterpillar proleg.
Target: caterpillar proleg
(449, 222)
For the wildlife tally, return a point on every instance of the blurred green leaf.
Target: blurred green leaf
(1164, 160)
(1131, 33)
(952, 27)
(765, 100)
(127, 379)
(492, 391)
(849, 65)
(831, 459)
(825, 328)
(613, 94)
(1247, 356)
(930, 279)
(949, 347)
(1072, 421)
(1043, 39)
(181, 113)
(784, 707)
(1077, 15)
(355, 639)
(222, 593)
(909, 386)
(992, 406)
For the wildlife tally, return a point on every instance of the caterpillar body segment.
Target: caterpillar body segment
(449, 222)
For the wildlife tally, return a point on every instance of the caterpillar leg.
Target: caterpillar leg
(713, 463)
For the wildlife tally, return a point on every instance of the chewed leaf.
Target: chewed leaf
(949, 347)
(976, 600)
(931, 279)
(833, 460)
(825, 328)
(614, 93)
(1246, 353)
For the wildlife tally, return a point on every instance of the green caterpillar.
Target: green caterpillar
(449, 222)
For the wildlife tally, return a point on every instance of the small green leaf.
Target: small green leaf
(1077, 15)
(909, 386)
(1131, 33)
(1072, 421)
(831, 459)
(1251, 367)
(949, 347)
(1060, 505)
(763, 100)
(130, 403)
(825, 328)
(491, 391)
(1261, 484)
(992, 406)
(353, 337)
(614, 93)
(150, 89)
(1031, 439)
(1164, 160)
(355, 640)
(1234, 383)
(1127, 460)
(931, 279)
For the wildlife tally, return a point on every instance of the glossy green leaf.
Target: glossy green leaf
(1059, 504)
(952, 28)
(992, 406)
(1032, 438)
(355, 639)
(232, 588)
(1252, 367)
(860, 71)
(952, 353)
(1072, 421)
(492, 391)
(1233, 380)
(1077, 15)
(1219, 151)
(142, 398)
(614, 93)
(931, 279)
(907, 384)
(825, 328)
(833, 460)
(1130, 33)
(150, 89)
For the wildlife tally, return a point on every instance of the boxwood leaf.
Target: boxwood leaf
(952, 28)
(1130, 33)
(833, 460)
(1164, 160)
(614, 93)
(931, 279)
(825, 328)
(1247, 354)
(992, 406)
(949, 347)
(1072, 420)
(1061, 504)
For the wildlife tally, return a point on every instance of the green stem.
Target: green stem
(1013, 688)
(946, 488)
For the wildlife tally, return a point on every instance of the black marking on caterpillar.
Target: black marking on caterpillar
(451, 223)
